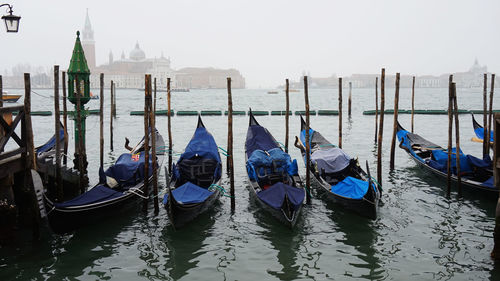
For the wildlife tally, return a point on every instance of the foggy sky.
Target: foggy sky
(267, 41)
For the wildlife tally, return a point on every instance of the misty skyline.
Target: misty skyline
(267, 41)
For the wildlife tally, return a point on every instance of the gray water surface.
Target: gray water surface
(419, 233)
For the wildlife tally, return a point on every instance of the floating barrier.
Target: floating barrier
(328, 112)
(90, 112)
(211, 112)
(303, 112)
(281, 112)
(37, 113)
(260, 113)
(157, 113)
(236, 113)
(187, 113)
(425, 111)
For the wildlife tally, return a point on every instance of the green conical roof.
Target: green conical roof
(78, 62)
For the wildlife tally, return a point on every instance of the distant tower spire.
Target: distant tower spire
(110, 57)
(88, 42)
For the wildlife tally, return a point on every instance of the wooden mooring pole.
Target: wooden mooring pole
(65, 120)
(485, 115)
(57, 121)
(169, 125)
(152, 122)
(349, 100)
(495, 253)
(230, 143)
(450, 131)
(1, 91)
(490, 114)
(287, 115)
(376, 109)
(147, 107)
(308, 143)
(457, 137)
(340, 112)
(395, 123)
(80, 153)
(412, 103)
(101, 121)
(111, 94)
(381, 127)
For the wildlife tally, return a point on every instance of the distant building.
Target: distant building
(208, 78)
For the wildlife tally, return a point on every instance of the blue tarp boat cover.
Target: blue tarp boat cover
(274, 161)
(201, 144)
(51, 143)
(189, 193)
(351, 188)
(330, 160)
(303, 136)
(484, 163)
(480, 134)
(274, 196)
(441, 156)
(258, 138)
(128, 170)
(97, 194)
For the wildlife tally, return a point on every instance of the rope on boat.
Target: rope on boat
(213, 186)
(224, 151)
(133, 191)
(377, 184)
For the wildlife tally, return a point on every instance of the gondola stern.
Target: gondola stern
(252, 120)
(200, 122)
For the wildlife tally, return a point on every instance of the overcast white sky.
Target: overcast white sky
(267, 40)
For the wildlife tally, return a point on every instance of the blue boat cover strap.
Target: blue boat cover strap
(351, 188)
(189, 193)
(97, 194)
(331, 160)
(258, 138)
(128, 170)
(274, 196)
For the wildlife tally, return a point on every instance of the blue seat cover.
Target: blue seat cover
(97, 194)
(274, 196)
(351, 188)
(189, 193)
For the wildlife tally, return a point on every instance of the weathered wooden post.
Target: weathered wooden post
(287, 115)
(230, 160)
(79, 94)
(340, 112)
(147, 107)
(381, 127)
(490, 115)
(457, 137)
(30, 155)
(395, 123)
(349, 101)
(65, 119)
(450, 131)
(111, 94)
(1, 91)
(485, 115)
(101, 121)
(376, 108)
(113, 107)
(412, 103)
(152, 122)
(495, 253)
(308, 144)
(169, 113)
(59, 184)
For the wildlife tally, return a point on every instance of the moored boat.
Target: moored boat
(339, 176)
(119, 186)
(476, 173)
(10, 98)
(193, 185)
(479, 131)
(274, 178)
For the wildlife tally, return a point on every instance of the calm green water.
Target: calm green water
(419, 235)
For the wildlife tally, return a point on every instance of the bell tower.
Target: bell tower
(88, 42)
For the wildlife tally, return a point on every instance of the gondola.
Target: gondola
(339, 176)
(195, 179)
(479, 131)
(121, 185)
(48, 149)
(274, 178)
(476, 174)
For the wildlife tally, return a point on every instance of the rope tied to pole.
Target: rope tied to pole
(213, 187)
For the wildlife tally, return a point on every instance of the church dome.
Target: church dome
(137, 53)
